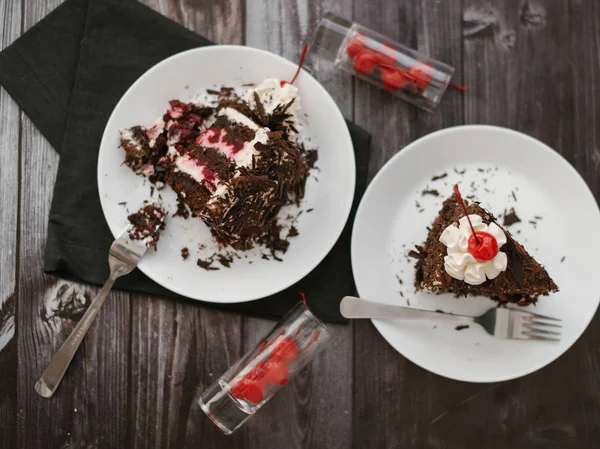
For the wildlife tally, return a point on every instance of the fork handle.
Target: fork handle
(352, 307)
(54, 373)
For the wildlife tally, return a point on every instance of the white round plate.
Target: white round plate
(503, 169)
(329, 189)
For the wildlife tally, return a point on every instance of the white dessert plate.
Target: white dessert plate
(503, 169)
(329, 189)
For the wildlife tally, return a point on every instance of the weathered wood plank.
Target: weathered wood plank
(315, 410)
(179, 348)
(393, 397)
(9, 205)
(583, 56)
(49, 308)
(42, 301)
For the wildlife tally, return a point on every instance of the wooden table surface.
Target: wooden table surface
(530, 65)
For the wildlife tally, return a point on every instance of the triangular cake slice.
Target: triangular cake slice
(513, 276)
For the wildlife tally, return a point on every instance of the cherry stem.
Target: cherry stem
(303, 300)
(458, 86)
(464, 207)
(313, 339)
(302, 56)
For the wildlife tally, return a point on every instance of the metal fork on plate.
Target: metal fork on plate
(499, 322)
(123, 257)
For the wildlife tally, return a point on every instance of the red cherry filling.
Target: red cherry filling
(365, 62)
(485, 247)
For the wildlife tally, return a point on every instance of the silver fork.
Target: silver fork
(123, 257)
(499, 322)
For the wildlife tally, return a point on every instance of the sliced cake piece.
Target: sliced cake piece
(495, 265)
(147, 223)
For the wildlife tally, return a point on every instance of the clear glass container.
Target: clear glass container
(264, 370)
(370, 56)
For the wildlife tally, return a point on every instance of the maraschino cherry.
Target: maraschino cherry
(300, 63)
(482, 245)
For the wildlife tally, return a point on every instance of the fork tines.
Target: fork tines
(536, 327)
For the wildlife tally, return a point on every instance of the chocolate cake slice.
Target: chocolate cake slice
(445, 266)
(233, 165)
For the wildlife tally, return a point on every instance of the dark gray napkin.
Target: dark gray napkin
(67, 73)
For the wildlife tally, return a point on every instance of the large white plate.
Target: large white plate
(393, 217)
(329, 190)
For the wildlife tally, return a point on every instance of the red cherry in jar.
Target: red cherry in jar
(365, 62)
(356, 44)
(484, 247)
(383, 55)
(276, 372)
(249, 389)
(285, 350)
(420, 74)
(393, 78)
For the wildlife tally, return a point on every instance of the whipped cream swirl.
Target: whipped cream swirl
(272, 94)
(460, 264)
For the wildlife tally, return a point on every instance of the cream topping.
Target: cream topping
(460, 264)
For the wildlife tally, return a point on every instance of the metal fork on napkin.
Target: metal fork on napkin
(499, 322)
(123, 257)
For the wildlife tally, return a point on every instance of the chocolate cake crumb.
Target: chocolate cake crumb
(206, 264)
(265, 257)
(309, 210)
(399, 280)
(510, 218)
(311, 158)
(185, 253)
(436, 177)
(212, 92)
(293, 232)
(481, 170)
(123, 203)
(563, 259)
(182, 210)
(225, 260)
(514, 196)
(430, 192)
(461, 327)
(414, 254)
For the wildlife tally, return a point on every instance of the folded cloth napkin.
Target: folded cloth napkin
(67, 73)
